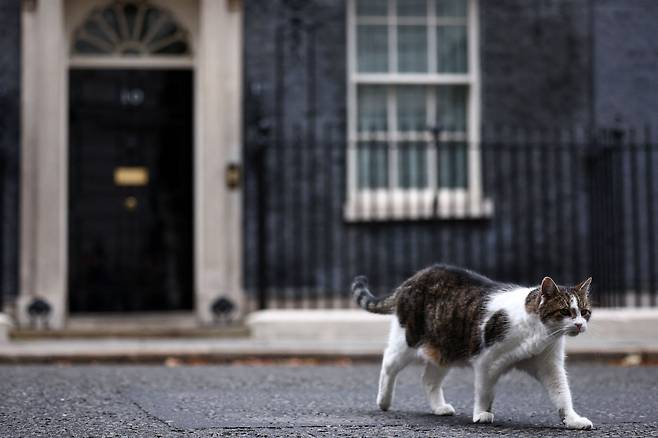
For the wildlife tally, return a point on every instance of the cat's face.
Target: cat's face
(565, 309)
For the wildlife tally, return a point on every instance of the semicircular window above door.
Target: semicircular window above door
(130, 28)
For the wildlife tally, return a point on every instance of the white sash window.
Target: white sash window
(413, 110)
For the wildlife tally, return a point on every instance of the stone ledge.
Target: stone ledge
(320, 325)
(199, 351)
(615, 325)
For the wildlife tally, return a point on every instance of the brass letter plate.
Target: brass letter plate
(131, 176)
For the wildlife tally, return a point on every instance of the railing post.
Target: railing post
(3, 218)
(605, 191)
(436, 137)
(260, 165)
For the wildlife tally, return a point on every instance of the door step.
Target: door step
(138, 325)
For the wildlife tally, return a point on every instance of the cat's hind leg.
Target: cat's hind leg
(396, 356)
(433, 376)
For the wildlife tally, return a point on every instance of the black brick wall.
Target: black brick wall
(535, 62)
(295, 67)
(536, 72)
(626, 62)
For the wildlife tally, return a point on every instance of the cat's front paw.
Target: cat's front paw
(445, 409)
(483, 417)
(577, 422)
(383, 402)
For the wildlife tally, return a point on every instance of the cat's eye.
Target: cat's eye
(585, 312)
(565, 312)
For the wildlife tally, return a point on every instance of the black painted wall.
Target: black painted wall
(535, 62)
(9, 143)
(295, 93)
(545, 63)
(537, 71)
(626, 62)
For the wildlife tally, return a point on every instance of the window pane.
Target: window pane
(451, 49)
(411, 108)
(412, 165)
(372, 114)
(372, 48)
(377, 8)
(453, 169)
(122, 28)
(451, 107)
(451, 8)
(412, 48)
(412, 8)
(372, 165)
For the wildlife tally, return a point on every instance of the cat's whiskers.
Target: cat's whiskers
(558, 331)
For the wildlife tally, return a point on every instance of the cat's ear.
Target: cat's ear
(548, 287)
(583, 287)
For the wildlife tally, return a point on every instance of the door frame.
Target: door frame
(215, 28)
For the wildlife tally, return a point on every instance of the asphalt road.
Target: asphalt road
(156, 401)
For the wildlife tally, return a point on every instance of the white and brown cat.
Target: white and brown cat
(450, 316)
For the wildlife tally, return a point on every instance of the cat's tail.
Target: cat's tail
(367, 301)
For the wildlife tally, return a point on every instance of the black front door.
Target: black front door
(130, 190)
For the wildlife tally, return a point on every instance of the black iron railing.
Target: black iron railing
(3, 173)
(516, 205)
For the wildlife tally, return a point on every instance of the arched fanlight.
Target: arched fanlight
(130, 28)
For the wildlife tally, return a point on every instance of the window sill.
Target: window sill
(416, 205)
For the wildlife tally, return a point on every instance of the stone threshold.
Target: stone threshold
(133, 325)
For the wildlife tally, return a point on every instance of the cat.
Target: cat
(450, 316)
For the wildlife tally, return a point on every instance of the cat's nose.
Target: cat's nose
(579, 326)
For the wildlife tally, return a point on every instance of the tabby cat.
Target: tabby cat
(450, 316)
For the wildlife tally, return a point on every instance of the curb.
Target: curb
(191, 359)
(611, 358)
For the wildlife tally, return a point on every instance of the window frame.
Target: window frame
(394, 202)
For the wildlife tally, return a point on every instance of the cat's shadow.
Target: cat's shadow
(428, 419)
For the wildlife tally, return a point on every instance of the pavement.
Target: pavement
(303, 401)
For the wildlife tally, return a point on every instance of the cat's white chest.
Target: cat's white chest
(523, 342)
(532, 339)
